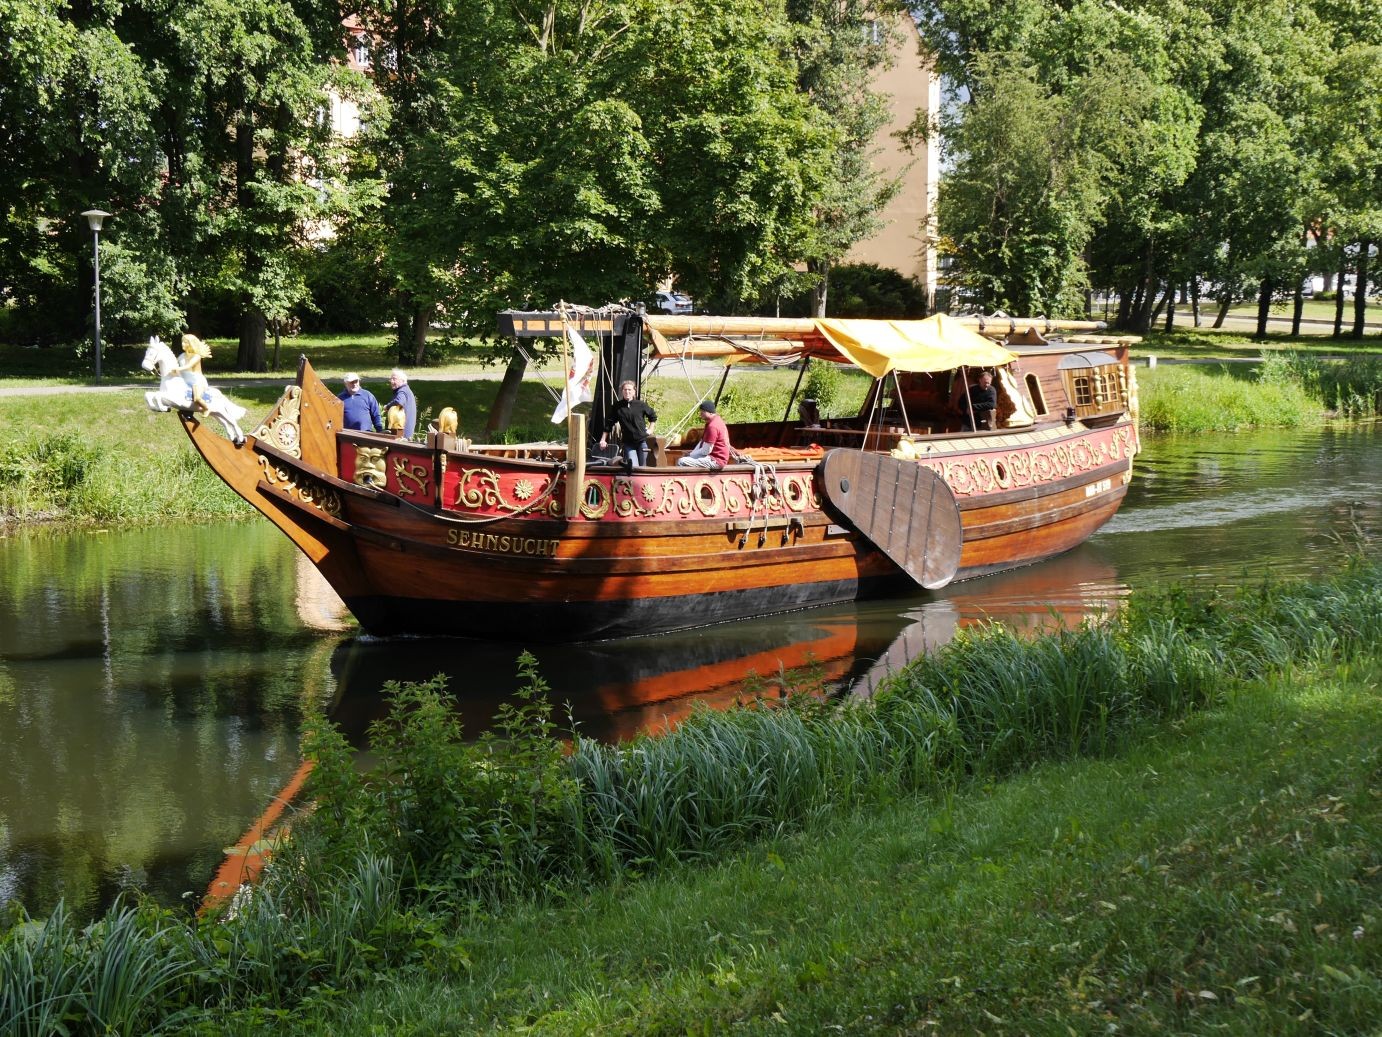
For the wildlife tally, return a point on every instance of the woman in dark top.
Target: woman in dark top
(634, 418)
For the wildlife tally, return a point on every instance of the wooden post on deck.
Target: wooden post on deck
(575, 458)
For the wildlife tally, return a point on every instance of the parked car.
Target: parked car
(673, 302)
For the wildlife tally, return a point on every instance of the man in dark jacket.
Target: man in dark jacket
(361, 408)
(977, 412)
(403, 397)
(634, 418)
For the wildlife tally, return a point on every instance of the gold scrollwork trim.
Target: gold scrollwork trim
(601, 505)
(306, 489)
(405, 473)
(284, 430)
(708, 498)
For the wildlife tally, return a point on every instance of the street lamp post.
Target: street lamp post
(94, 219)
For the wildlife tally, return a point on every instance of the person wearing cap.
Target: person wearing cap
(713, 450)
(361, 408)
(403, 397)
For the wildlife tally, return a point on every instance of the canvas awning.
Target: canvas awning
(938, 343)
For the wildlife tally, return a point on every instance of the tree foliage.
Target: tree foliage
(1153, 148)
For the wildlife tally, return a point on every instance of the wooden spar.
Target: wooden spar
(575, 455)
(681, 326)
(671, 326)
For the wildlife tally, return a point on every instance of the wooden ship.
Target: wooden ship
(544, 542)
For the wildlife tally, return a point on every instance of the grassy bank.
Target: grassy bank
(1223, 878)
(875, 866)
(1282, 390)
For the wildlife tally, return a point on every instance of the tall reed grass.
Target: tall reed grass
(445, 825)
(1285, 390)
(1351, 388)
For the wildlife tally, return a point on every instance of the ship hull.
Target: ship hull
(431, 540)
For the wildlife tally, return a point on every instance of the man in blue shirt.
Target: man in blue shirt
(403, 397)
(361, 408)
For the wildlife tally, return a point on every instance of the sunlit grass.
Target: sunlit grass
(1206, 399)
(1234, 855)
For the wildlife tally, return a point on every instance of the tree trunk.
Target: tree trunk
(1297, 309)
(1339, 296)
(1166, 298)
(821, 288)
(422, 323)
(250, 355)
(1224, 305)
(502, 410)
(1148, 291)
(1125, 305)
(253, 328)
(1360, 290)
(1195, 299)
(1264, 307)
(1170, 308)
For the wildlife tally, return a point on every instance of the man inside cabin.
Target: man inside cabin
(713, 450)
(634, 418)
(361, 408)
(976, 411)
(403, 397)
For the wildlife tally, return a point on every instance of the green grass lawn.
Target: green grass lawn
(1225, 877)
(1313, 309)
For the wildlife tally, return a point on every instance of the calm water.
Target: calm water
(152, 682)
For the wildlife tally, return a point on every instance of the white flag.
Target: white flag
(580, 375)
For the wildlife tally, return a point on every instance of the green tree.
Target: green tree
(76, 133)
(602, 148)
(840, 48)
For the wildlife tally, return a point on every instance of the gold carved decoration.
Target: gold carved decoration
(284, 429)
(303, 487)
(642, 498)
(594, 509)
(480, 488)
(369, 466)
(1018, 468)
(405, 473)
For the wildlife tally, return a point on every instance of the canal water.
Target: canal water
(153, 681)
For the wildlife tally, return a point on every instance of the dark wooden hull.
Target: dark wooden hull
(422, 540)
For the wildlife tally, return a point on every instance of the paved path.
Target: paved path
(231, 383)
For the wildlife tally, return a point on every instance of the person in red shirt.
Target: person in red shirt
(713, 449)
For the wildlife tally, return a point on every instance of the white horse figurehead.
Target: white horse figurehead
(159, 359)
(177, 393)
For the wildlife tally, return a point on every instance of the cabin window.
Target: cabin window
(1084, 391)
(1034, 390)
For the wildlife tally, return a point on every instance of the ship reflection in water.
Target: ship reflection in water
(614, 690)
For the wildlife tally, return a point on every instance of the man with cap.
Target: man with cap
(713, 449)
(361, 408)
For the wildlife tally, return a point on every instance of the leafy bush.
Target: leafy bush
(1351, 388)
(823, 384)
(1200, 399)
(857, 290)
(348, 290)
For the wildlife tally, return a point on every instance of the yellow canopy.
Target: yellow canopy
(938, 343)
